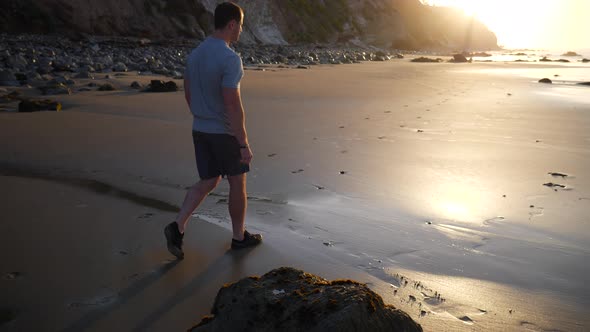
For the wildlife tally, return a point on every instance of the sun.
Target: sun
(518, 23)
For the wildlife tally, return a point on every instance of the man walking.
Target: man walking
(212, 91)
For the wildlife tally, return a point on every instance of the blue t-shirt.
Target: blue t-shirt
(210, 67)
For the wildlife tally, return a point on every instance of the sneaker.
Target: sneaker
(250, 240)
(174, 240)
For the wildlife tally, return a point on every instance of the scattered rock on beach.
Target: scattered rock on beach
(545, 80)
(27, 106)
(556, 174)
(425, 59)
(570, 53)
(545, 59)
(161, 86)
(55, 89)
(7, 315)
(107, 87)
(458, 58)
(286, 299)
(584, 83)
(135, 85)
(585, 60)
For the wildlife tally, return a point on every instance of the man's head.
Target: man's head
(229, 18)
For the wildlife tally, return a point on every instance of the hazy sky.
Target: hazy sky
(547, 24)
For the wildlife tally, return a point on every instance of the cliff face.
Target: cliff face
(405, 24)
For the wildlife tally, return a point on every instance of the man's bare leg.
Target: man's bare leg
(237, 204)
(193, 199)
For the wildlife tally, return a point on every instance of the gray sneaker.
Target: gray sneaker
(174, 240)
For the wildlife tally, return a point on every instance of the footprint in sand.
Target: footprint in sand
(13, 275)
(466, 320)
(381, 137)
(297, 171)
(319, 187)
(536, 212)
(98, 301)
(387, 112)
(7, 315)
(556, 174)
(341, 127)
(272, 155)
(146, 216)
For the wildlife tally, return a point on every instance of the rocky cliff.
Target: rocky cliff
(402, 24)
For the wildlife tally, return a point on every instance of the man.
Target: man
(212, 91)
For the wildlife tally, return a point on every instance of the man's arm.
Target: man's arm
(232, 101)
(187, 91)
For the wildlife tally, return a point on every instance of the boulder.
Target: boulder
(459, 58)
(39, 105)
(545, 80)
(570, 53)
(424, 59)
(106, 87)
(287, 299)
(8, 78)
(55, 89)
(161, 86)
(119, 67)
(585, 60)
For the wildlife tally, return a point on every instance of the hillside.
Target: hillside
(402, 24)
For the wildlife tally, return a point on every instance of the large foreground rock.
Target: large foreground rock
(287, 299)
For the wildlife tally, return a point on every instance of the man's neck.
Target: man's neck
(221, 35)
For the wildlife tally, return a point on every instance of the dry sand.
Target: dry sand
(430, 174)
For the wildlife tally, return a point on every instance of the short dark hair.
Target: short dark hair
(225, 13)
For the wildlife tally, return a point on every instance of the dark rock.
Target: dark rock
(8, 78)
(119, 67)
(584, 83)
(585, 60)
(302, 67)
(459, 58)
(136, 85)
(7, 315)
(39, 105)
(544, 59)
(85, 75)
(161, 86)
(563, 60)
(286, 299)
(399, 56)
(545, 80)
(55, 89)
(106, 87)
(424, 59)
(570, 53)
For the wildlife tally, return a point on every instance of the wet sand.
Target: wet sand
(430, 182)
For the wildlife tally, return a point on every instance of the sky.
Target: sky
(536, 24)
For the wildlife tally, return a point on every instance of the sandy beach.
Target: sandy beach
(458, 192)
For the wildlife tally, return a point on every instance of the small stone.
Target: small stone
(545, 80)
(106, 87)
(136, 85)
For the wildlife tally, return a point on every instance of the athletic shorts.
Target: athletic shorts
(218, 155)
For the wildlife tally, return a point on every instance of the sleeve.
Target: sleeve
(232, 72)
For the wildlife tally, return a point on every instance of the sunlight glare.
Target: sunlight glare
(529, 23)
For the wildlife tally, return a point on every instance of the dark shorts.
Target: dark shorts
(218, 154)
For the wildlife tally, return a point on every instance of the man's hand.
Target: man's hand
(246, 155)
